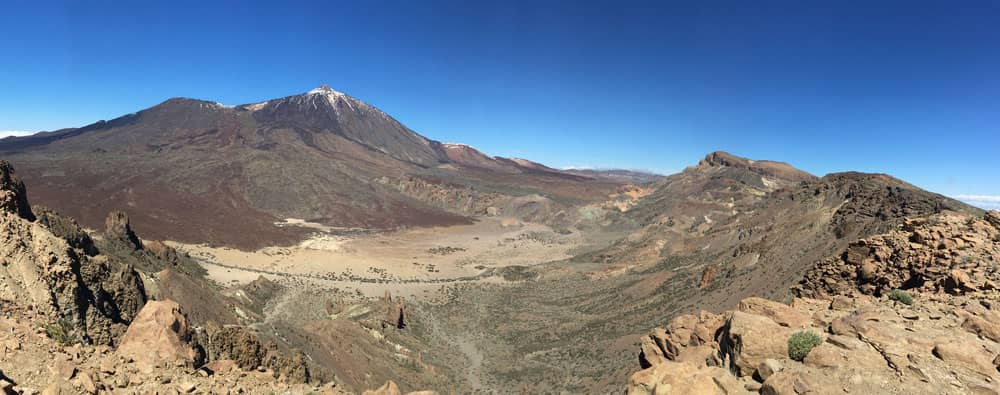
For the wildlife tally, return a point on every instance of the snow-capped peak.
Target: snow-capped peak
(324, 90)
(455, 145)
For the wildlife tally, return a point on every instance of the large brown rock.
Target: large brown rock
(780, 313)
(748, 339)
(389, 388)
(790, 383)
(683, 378)
(967, 355)
(159, 335)
(993, 217)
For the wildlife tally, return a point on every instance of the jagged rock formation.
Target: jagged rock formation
(942, 253)
(85, 298)
(244, 347)
(117, 227)
(86, 292)
(65, 228)
(396, 313)
(13, 195)
(871, 341)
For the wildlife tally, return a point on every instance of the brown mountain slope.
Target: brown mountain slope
(704, 239)
(195, 170)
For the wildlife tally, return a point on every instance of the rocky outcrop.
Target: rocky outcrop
(771, 169)
(993, 217)
(396, 312)
(117, 227)
(82, 298)
(159, 336)
(13, 195)
(33, 363)
(870, 345)
(946, 253)
(65, 228)
(245, 348)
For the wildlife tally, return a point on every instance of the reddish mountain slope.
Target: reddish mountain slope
(194, 170)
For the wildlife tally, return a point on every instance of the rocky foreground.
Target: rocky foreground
(98, 315)
(916, 310)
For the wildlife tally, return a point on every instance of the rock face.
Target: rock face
(83, 298)
(946, 253)
(13, 196)
(158, 336)
(945, 342)
(245, 348)
(117, 226)
(871, 346)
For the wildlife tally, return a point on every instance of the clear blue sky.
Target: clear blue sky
(909, 88)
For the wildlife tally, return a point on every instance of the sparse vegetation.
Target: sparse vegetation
(901, 296)
(60, 331)
(801, 343)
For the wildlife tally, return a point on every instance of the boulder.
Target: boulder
(767, 368)
(389, 388)
(159, 335)
(683, 378)
(993, 217)
(965, 354)
(221, 366)
(982, 327)
(825, 355)
(788, 383)
(748, 339)
(780, 313)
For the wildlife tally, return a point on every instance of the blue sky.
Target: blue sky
(909, 88)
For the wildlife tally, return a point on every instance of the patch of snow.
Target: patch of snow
(257, 106)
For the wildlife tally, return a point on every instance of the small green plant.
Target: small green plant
(60, 331)
(901, 296)
(801, 343)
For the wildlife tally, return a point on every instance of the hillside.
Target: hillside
(909, 311)
(704, 239)
(200, 171)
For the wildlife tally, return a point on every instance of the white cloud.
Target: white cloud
(8, 133)
(988, 202)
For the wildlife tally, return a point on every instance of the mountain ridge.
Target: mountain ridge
(200, 171)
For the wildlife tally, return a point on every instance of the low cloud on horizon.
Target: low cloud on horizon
(8, 133)
(985, 202)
